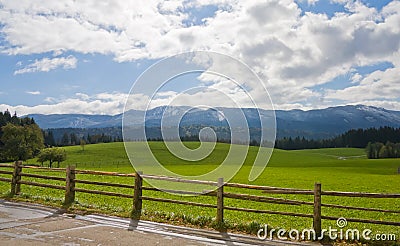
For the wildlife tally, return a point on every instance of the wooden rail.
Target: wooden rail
(6, 172)
(265, 199)
(182, 192)
(99, 192)
(42, 176)
(376, 222)
(264, 188)
(359, 194)
(53, 169)
(104, 183)
(6, 165)
(172, 179)
(60, 187)
(8, 180)
(178, 202)
(220, 194)
(269, 212)
(104, 173)
(360, 208)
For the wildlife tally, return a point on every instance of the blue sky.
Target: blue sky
(63, 57)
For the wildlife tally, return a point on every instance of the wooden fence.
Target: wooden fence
(137, 196)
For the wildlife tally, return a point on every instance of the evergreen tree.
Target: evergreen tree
(74, 139)
(49, 138)
(65, 140)
(355, 138)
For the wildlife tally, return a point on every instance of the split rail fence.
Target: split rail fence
(71, 180)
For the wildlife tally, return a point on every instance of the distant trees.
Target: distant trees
(73, 139)
(355, 138)
(99, 138)
(20, 138)
(82, 144)
(371, 139)
(65, 140)
(302, 143)
(380, 150)
(49, 140)
(72, 136)
(52, 155)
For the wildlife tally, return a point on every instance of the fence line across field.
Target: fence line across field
(138, 188)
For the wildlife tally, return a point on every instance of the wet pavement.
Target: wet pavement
(30, 224)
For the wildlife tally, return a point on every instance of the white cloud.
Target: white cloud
(82, 96)
(114, 103)
(57, 52)
(33, 92)
(49, 99)
(312, 2)
(95, 104)
(291, 52)
(377, 85)
(355, 78)
(46, 64)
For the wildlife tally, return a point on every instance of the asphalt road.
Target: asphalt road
(29, 224)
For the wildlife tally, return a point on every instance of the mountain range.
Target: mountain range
(317, 124)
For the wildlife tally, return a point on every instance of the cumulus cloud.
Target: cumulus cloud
(47, 64)
(94, 104)
(116, 102)
(377, 85)
(291, 51)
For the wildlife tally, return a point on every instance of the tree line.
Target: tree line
(71, 138)
(379, 150)
(355, 138)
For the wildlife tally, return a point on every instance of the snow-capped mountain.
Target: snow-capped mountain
(327, 122)
(319, 123)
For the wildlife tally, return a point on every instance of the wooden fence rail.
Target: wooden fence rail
(359, 194)
(137, 196)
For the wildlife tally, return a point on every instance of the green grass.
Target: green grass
(341, 169)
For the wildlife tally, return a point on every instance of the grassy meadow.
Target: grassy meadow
(345, 169)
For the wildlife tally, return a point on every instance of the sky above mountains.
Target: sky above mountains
(84, 56)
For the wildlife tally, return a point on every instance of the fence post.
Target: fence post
(220, 201)
(16, 177)
(18, 186)
(137, 196)
(317, 209)
(70, 185)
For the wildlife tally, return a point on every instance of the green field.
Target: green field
(337, 169)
